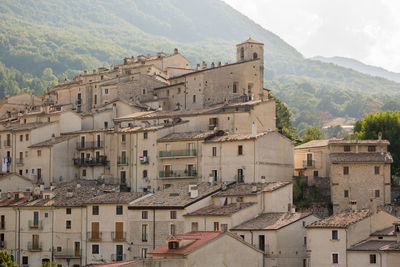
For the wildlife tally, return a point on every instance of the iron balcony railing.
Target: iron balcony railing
(68, 253)
(100, 161)
(309, 163)
(118, 257)
(7, 143)
(178, 153)
(90, 145)
(94, 236)
(19, 161)
(178, 174)
(118, 236)
(122, 161)
(36, 246)
(35, 224)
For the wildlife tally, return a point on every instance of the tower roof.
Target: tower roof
(250, 41)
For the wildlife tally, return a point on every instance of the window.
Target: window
(195, 226)
(242, 53)
(346, 148)
(46, 214)
(106, 124)
(377, 193)
(119, 210)
(144, 173)
(334, 235)
(172, 214)
(335, 258)
(106, 91)
(234, 88)
(346, 193)
(372, 258)
(173, 228)
(214, 151)
(377, 170)
(144, 135)
(261, 242)
(39, 153)
(21, 138)
(26, 137)
(240, 150)
(68, 224)
(123, 138)
(95, 210)
(371, 148)
(144, 232)
(84, 173)
(214, 173)
(224, 227)
(95, 249)
(194, 98)
(68, 210)
(145, 215)
(345, 170)
(240, 176)
(144, 253)
(255, 56)
(25, 260)
(242, 236)
(20, 172)
(305, 241)
(315, 173)
(216, 226)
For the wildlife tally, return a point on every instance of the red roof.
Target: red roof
(198, 238)
(114, 264)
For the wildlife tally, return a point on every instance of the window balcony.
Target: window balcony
(19, 161)
(178, 174)
(144, 159)
(100, 161)
(94, 236)
(178, 153)
(118, 257)
(308, 163)
(3, 244)
(122, 161)
(7, 143)
(89, 145)
(118, 236)
(35, 225)
(34, 247)
(68, 254)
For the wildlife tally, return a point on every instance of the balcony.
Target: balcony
(19, 161)
(122, 161)
(118, 257)
(35, 225)
(7, 143)
(94, 236)
(34, 247)
(178, 153)
(308, 163)
(144, 159)
(100, 161)
(178, 174)
(118, 236)
(68, 254)
(3, 244)
(89, 145)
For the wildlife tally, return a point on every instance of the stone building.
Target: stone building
(357, 171)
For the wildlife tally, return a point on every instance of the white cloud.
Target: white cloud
(367, 30)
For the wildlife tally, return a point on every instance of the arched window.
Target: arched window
(242, 53)
(255, 56)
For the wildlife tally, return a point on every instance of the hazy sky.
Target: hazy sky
(367, 30)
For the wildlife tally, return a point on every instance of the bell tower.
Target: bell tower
(250, 50)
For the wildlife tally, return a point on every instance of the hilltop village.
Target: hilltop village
(154, 163)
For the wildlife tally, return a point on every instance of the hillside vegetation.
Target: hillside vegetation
(42, 41)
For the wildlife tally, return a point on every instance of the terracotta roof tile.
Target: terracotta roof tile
(272, 221)
(385, 157)
(246, 189)
(115, 198)
(54, 141)
(226, 210)
(185, 136)
(342, 220)
(374, 245)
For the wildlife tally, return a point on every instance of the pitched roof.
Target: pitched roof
(385, 157)
(53, 141)
(389, 231)
(342, 220)
(335, 141)
(247, 189)
(272, 221)
(375, 245)
(250, 41)
(198, 239)
(313, 143)
(226, 210)
(185, 136)
(227, 137)
(27, 126)
(175, 196)
(115, 198)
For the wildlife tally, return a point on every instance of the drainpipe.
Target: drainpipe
(86, 243)
(346, 248)
(154, 228)
(254, 160)
(51, 177)
(19, 237)
(52, 234)
(136, 175)
(131, 157)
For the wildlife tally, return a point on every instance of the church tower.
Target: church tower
(249, 50)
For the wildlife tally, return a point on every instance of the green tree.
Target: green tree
(284, 119)
(313, 133)
(47, 264)
(388, 123)
(6, 259)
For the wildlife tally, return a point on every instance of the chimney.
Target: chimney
(397, 230)
(373, 205)
(193, 191)
(175, 51)
(219, 63)
(198, 67)
(85, 72)
(353, 204)
(53, 137)
(254, 130)
(212, 65)
(380, 136)
(204, 65)
(254, 189)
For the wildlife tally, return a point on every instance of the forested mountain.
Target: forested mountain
(360, 67)
(41, 41)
